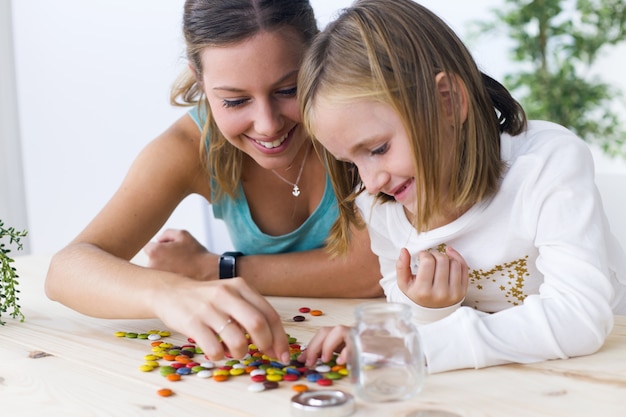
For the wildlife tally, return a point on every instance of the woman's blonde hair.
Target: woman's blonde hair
(210, 23)
(391, 51)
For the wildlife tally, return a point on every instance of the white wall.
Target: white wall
(12, 199)
(93, 82)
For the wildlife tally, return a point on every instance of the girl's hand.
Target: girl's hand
(441, 279)
(179, 252)
(326, 342)
(227, 309)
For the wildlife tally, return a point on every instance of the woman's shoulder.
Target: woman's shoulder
(176, 154)
(181, 139)
(198, 115)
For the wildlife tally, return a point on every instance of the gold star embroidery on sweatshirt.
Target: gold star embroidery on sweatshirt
(508, 278)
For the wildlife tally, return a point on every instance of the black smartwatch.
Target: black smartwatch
(227, 264)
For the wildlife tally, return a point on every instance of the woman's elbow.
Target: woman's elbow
(53, 284)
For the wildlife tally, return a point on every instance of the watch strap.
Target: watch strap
(228, 264)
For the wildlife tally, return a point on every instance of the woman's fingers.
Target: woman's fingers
(259, 319)
(219, 314)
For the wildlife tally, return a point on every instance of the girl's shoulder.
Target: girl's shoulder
(544, 141)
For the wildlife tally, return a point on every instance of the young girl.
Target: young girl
(243, 148)
(489, 226)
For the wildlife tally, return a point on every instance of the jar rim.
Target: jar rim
(381, 307)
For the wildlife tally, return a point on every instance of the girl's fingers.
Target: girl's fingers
(314, 348)
(326, 342)
(334, 342)
(441, 278)
(403, 270)
(459, 273)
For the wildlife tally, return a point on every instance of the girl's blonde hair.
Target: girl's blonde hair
(210, 23)
(391, 51)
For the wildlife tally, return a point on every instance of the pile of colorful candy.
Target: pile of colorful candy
(264, 373)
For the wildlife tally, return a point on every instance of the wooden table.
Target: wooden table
(90, 372)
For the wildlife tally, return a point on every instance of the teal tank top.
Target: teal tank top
(249, 239)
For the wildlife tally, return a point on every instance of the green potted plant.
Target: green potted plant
(9, 279)
(557, 45)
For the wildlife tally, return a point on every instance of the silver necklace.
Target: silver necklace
(296, 190)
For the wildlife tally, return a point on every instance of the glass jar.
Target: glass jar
(387, 362)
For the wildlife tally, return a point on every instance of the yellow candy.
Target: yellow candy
(222, 372)
(274, 377)
(120, 334)
(146, 368)
(236, 371)
(274, 371)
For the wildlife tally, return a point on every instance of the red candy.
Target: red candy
(304, 309)
(324, 382)
(258, 378)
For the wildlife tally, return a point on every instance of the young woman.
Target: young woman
(243, 148)
(489, 226)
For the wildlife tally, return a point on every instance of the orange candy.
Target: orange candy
(165, 392)
(173, 377)
(220, 378)
(316, 312)
(300, 388)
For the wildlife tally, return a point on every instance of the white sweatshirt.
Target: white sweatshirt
(546, 274)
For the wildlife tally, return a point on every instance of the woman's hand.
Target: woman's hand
(441, 279)
(326, 342)
(179, 252)
(227, 309)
